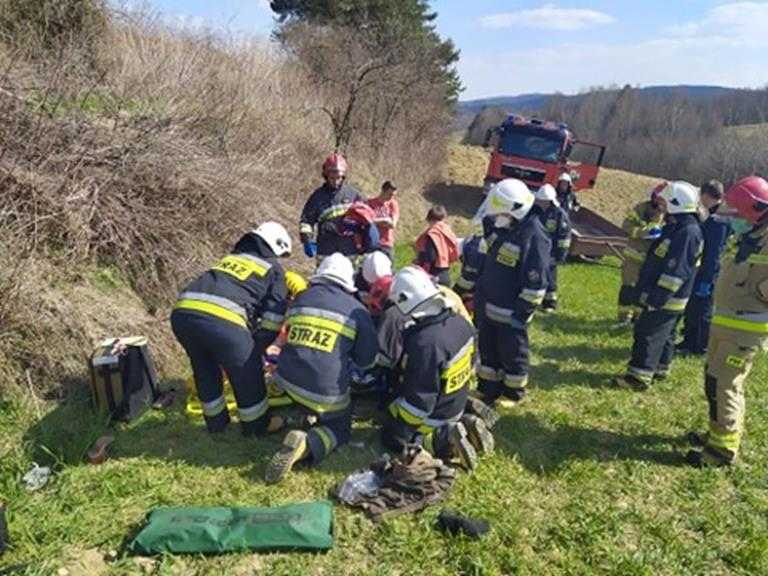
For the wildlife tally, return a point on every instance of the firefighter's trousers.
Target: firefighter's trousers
(698, 316)
(654, 344)
(396, 434)
(550, 298)
(504, 357)
(730, 354)
(213, 344)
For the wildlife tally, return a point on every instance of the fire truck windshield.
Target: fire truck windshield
(539, 145)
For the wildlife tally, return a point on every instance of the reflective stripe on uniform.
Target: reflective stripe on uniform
(533, 296)
(675, 304)
(458, 373)
(498, 314)
(633, 254)
(214, 407)
(564, 243)
(253, 412)
(317, 402)
(726, 441)
(272, 321)
(515, 380)
(213, 306)
(760, 259)
(320, 318)
(465, 284)
(327, 437)
(257, 262)
(641, 374)
(741, 324)
(671, 283)
(333, 211)
(305, 228)
(488, 373)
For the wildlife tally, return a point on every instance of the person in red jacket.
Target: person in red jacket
(387, 215)
(437, 248)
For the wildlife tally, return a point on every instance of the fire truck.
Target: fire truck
(538, 152)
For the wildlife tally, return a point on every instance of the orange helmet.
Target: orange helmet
(335, 162)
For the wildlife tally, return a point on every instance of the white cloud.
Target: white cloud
(548, 17)
(742, 23)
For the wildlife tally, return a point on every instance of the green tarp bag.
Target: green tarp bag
(214, 530)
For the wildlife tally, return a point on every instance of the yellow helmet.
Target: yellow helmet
(295, 282)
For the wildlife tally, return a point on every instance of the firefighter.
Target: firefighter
(664, 286)
(698, 314)
(437, 248)
(472, 251)
(512, 285)
(565, 196)
(328, 331)
(739, 327)
(642, 225)
(226, 318)
(374, 267)
(325, 208)
(437, 369)
(558, 226)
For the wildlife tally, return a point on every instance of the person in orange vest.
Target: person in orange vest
(437, 248)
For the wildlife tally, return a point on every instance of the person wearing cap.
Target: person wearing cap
(437, 370)
(437, 247)
(329, 332)
(565, 196)
(664, 286)
(320, 221)
(387, 211)
(643, 225)
(511, 286)
(739, 328)
(716, 230)
(558, 226)
(226, 318)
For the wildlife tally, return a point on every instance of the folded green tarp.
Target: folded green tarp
(306, 526)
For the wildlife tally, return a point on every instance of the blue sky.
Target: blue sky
(521, 46)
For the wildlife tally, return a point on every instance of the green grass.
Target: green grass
(585, 480)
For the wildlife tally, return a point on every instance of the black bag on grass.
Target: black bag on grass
(123, 377)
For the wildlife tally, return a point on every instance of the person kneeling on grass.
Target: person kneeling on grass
(437, 369)
(329, 331)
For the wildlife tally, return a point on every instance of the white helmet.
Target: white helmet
(338, 269)
(376, 265)
(565, 177)
(509, 197)
(412, 287)
(276, 237)
(681, 197)
(546, 192)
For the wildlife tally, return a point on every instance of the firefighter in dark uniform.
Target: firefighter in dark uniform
(437, 369)
(643, 225)
(558, 226)
(325, 209)
(226, 318)
(472, 256)
(328, 331)
(716, 230)
(664, 287)
(512, 285)
(739, 327)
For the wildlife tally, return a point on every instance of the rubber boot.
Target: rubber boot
(294, 448)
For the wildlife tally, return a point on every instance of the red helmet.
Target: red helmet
(749, 197)
(335, 162)
(657, 190)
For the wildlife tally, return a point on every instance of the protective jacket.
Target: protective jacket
(246, 288)
(472, 257)
(437, 370)
(437, 247)
(667, 276)
(637, 224)
(741, 295)
(358, 224)
(328, 329)
(324, 210)
(558, 226)
(716, 229)
(513, 280)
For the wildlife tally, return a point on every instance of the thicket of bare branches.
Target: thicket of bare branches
(145, 157)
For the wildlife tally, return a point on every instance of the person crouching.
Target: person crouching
(437, 370)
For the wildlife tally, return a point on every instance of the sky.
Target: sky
(518, 46)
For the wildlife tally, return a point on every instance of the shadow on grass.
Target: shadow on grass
(544, 450)
(64, 435)
(561, 322)
(458, 199)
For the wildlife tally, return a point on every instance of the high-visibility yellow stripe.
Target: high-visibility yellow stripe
(268, 325)
(633, 254)
(758, 259)
(318, 407)
(213, 310)
(729, 441)
(739, 324)
(328, 442)
(324, 323)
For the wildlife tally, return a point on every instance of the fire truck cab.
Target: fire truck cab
(538, 152)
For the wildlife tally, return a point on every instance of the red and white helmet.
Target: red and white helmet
(749, 197)
(335, 163)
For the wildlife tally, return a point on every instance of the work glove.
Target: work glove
(310, 249)
(703, 289)
(653, 233)
(454, 523)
